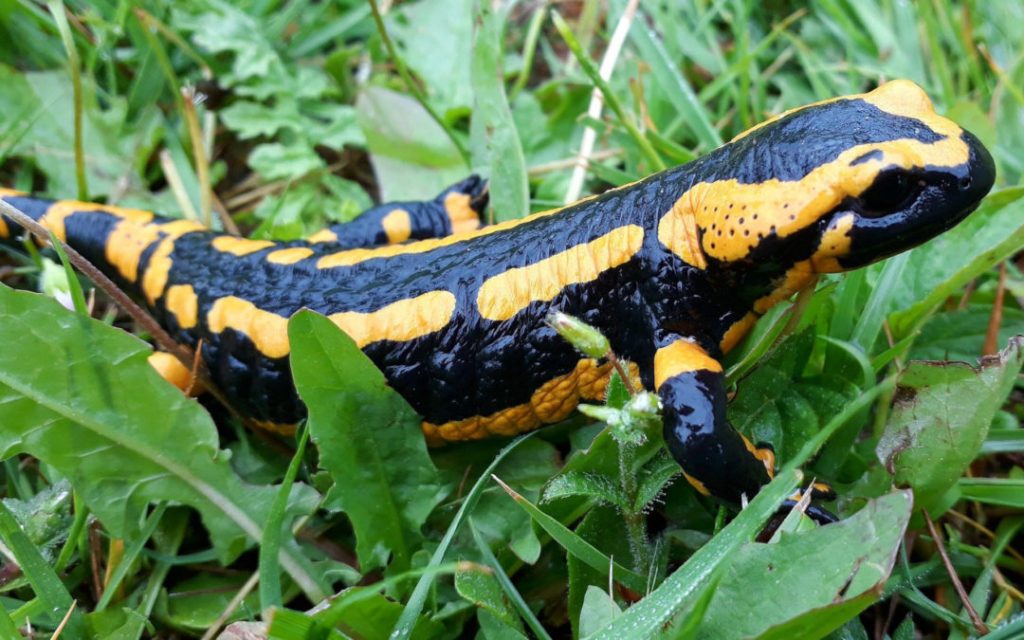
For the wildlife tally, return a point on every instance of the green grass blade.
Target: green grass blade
(610, 98)
(270, 574)
(575, 545)
(510, 590)
(406, 623)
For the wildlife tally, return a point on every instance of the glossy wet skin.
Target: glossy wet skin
(674, 269)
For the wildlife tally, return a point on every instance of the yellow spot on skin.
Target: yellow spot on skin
(172, 370)
(182, 302)
(697, 484)
(355, 256)
(5, 193)
(504, 295)
(397, 225)
(60, 210)
(400, 321)
(552, 402)
(682, 356)
(155, 278)
(737, 331)
(239, 246)
(462, 216)
(678, 231)
(733, 218)
(126, 244)
(324, 235)
(4, 231)
(289, 256)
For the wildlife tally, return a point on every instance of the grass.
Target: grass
(282, 117)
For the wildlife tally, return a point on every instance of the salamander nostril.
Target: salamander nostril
(965, 183)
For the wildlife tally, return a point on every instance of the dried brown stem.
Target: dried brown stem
(979, 624)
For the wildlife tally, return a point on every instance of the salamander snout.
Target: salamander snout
(905, 207)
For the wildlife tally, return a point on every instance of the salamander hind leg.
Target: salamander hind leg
(455, 210)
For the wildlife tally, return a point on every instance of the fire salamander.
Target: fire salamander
(674, 269)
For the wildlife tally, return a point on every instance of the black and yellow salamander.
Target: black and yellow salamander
(674, 269)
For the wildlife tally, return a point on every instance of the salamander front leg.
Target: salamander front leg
(716, 459)
(454, 210)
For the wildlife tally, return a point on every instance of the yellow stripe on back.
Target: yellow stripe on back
(239, 246)
(400, 321)
(61, 210)
(504, 295)
(290, 255)
(682, 356)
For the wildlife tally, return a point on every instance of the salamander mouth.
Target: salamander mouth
(903, 209)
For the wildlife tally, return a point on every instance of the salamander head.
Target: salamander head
(838, 184)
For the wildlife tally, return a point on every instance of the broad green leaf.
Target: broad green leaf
(435, 38)
(412, 155)
(276, 161)
(483, 590)
(494, 136)
(937, 269)
(803, 583)
(776, 403)
(646, 619)
(364, 612)
(195, 603)
(940, 418)
(369, 440)
(960, 335)
(588, 485)
(252, 119)
(599, 609)
(80, 396)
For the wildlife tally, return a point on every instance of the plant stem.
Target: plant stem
(411, 84)
(636, 527)
(56, 8)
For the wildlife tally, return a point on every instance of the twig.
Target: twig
(611, 56)
(246, 589)
(137, 313)
(979, 624)
(991, 346)
(411, 84)
(569, 163)
(64, 620)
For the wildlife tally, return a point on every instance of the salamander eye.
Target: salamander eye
(890, 192)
